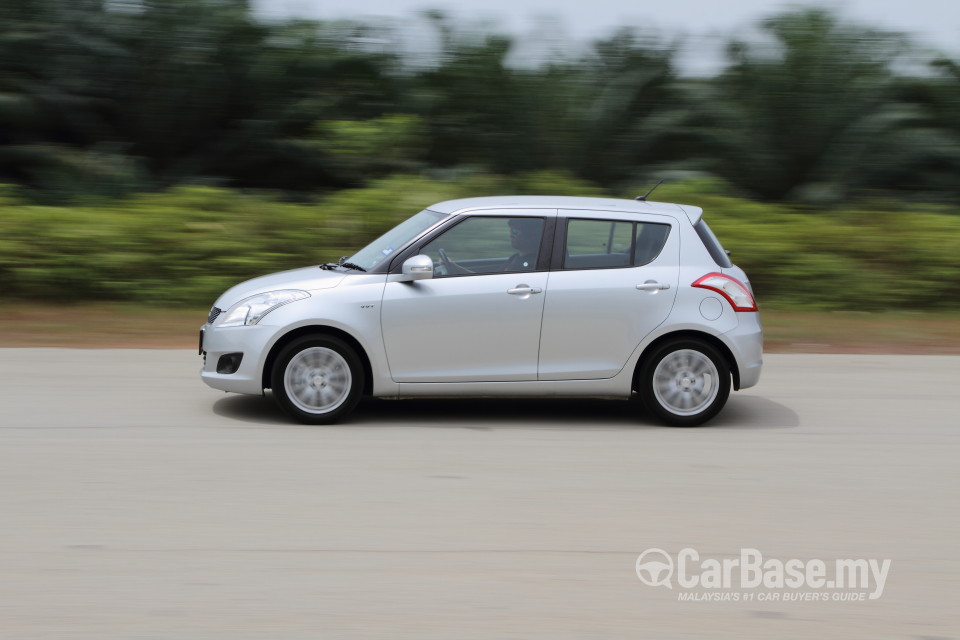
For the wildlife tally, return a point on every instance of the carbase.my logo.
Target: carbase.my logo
(859, 577)
(655, 568)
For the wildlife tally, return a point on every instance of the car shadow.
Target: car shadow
(754, 412)
(741, 412)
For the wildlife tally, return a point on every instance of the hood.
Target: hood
(307, 279)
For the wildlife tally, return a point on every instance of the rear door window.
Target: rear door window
(607, 244)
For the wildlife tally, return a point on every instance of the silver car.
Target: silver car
(503, 296)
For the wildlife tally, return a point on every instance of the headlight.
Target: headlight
(251, 310)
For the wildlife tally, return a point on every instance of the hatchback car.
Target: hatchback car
(501, 296)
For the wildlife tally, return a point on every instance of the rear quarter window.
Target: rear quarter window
(713, 245)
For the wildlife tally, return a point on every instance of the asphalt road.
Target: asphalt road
(137, 503)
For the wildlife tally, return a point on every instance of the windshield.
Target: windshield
(397, 238)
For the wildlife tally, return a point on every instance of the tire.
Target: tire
(317, 379)
(684, 382)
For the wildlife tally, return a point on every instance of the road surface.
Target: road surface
(135, 502)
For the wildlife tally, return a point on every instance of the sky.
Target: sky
(704, 23)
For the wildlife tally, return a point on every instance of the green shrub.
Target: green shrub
(186, 245)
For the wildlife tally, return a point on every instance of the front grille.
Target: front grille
(216, 311)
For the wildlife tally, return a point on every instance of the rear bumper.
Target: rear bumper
(746, 344)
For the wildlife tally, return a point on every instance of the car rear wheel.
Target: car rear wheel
(317, 379)
(685, 382)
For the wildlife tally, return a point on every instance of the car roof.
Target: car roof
(464, 205)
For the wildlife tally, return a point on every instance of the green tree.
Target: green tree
(921, 156)
(56, 78)
(474, 104)
(800, 111)
(625, 101)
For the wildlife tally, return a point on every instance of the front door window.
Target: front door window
(487, 245)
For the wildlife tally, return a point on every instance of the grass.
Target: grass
(785, 330)
(919, 332)
(100, 326)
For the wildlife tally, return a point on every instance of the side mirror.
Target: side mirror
(418, 267)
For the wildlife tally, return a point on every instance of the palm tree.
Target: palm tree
(800, 111)
(626, 104)
(922, 156)
(55, 57)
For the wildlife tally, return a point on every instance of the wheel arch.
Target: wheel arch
(318, 330)
(712, 340)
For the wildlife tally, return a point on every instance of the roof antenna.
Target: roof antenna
(643, 198)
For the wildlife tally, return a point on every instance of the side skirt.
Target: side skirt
(616, 387)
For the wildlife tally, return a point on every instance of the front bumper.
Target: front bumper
(252, 341)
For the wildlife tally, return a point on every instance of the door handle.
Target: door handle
(521, 290)
(651, 285)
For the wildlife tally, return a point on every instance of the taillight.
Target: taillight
(732, 289)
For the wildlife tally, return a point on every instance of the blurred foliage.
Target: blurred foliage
(112, 97)
(803, 110)
(360, 148)
(188, 244)
(871, 255)
(160, 150)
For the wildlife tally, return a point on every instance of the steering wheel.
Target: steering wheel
(447, 264)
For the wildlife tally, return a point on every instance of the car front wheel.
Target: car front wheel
(317, 379)
(684, 382)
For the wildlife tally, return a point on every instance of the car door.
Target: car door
(614, 282)
(478, 318)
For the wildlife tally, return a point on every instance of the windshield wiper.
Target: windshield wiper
(342, 262)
